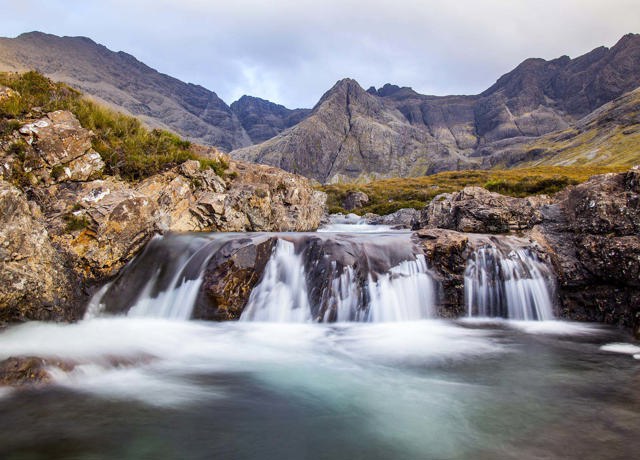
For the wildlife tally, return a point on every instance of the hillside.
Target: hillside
(123, 82)
(352, 136)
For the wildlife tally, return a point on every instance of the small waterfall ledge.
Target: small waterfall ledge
(508, 282)
(322, 277)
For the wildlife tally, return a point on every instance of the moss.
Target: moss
(75, 223)
(57, 172)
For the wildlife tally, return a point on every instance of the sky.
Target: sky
(291, 52)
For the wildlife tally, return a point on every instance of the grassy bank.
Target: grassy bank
(129, 149)
(389, 195)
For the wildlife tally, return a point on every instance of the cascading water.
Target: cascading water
(509, 282)
(313, 277)
(282, 294)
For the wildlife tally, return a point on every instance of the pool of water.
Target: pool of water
(160, 389)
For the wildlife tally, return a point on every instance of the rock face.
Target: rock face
(76, 231)
(263, 119)
(592, 232)
(476, 210)
(390, 132)
(589, 232)
(230, 276)
(34, 282)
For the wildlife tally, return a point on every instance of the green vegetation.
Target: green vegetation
(75, 223)
(129, 150)
(389, 195)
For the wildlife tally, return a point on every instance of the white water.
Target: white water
(404, 293)
(510, 283)
(281, 296)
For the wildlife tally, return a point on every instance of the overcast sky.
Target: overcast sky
(292, 51)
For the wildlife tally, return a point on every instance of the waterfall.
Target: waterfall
(307, 277)
(281, 296)
(403, 293)
(509, 282)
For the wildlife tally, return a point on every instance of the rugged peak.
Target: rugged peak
(343, 91)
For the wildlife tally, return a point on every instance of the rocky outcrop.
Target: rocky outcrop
(477, 210)
(592, 233)
(589, 232)
(77, 230)
(34, 282)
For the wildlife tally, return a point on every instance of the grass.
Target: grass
(389, 195)
(129, 149)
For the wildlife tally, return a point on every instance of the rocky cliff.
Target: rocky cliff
(393, 131)
(263, 119)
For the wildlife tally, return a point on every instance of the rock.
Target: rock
(61, 149)
(21, 371)
(402, 218)
(229, 278)
(476, 210)
(354, 200)
(592, 234)
(100, 224)
(34, 282)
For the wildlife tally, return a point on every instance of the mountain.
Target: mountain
(263, 119)
(125, 83)
(351, 133)
(392, 131)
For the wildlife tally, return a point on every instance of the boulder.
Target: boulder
(354, 200)
(477, 210)
(60, 149)
(402, 218)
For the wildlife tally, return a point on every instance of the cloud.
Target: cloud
(292, 51)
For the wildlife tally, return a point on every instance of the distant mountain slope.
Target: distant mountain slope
(398, 132)
(609, 136)
(263, 119)
(124, 82)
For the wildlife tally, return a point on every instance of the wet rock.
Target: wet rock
(355, 200)
(477, 210)
(229, 278)
(34, 282)
(447, 252)
(21, 371)
(592, 234)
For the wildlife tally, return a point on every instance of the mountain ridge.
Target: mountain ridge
(538, 97)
